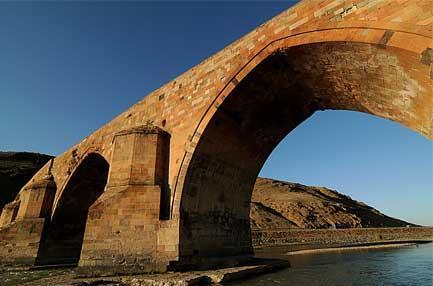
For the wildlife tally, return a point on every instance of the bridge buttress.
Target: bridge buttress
(122, 226)
(22, 221)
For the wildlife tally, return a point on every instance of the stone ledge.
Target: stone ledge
(144, 129)
(256, 267)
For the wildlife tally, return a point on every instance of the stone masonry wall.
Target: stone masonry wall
(306, 238)
(122, 233)
(122, 229)
(187, 103)
(19, 242)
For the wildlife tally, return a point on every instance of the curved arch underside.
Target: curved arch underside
(63, 236)
(275, 97)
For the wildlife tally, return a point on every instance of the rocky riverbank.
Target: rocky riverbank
(267, 244)
(190, 278)
(259, 266)
(302, 239)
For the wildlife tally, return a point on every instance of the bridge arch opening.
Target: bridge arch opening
(62, 238)
(364, 157)
(281, 92)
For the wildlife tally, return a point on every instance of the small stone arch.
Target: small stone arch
(63, 235)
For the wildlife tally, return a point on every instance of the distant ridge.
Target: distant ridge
(279, 204)
(16, 169)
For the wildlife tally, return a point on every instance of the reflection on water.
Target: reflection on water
(404, 266)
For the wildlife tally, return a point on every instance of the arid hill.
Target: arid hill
(16, 168)
(278, 204)
(275, 204)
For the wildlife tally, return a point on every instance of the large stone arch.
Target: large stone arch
(62, 238)
(419, 45)
(274, 97)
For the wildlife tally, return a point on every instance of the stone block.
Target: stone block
(20, 240)
(125, 242)
(36, 199)
(9, 213)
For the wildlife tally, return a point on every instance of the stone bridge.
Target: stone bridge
(168, 182)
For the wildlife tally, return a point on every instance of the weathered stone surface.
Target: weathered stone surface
(229, 112)
(122, 233)
(19, 242)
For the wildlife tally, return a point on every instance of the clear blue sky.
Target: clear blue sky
(68, 68)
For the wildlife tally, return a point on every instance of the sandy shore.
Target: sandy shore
(352, 248)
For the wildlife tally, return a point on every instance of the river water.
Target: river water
(405, 266)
